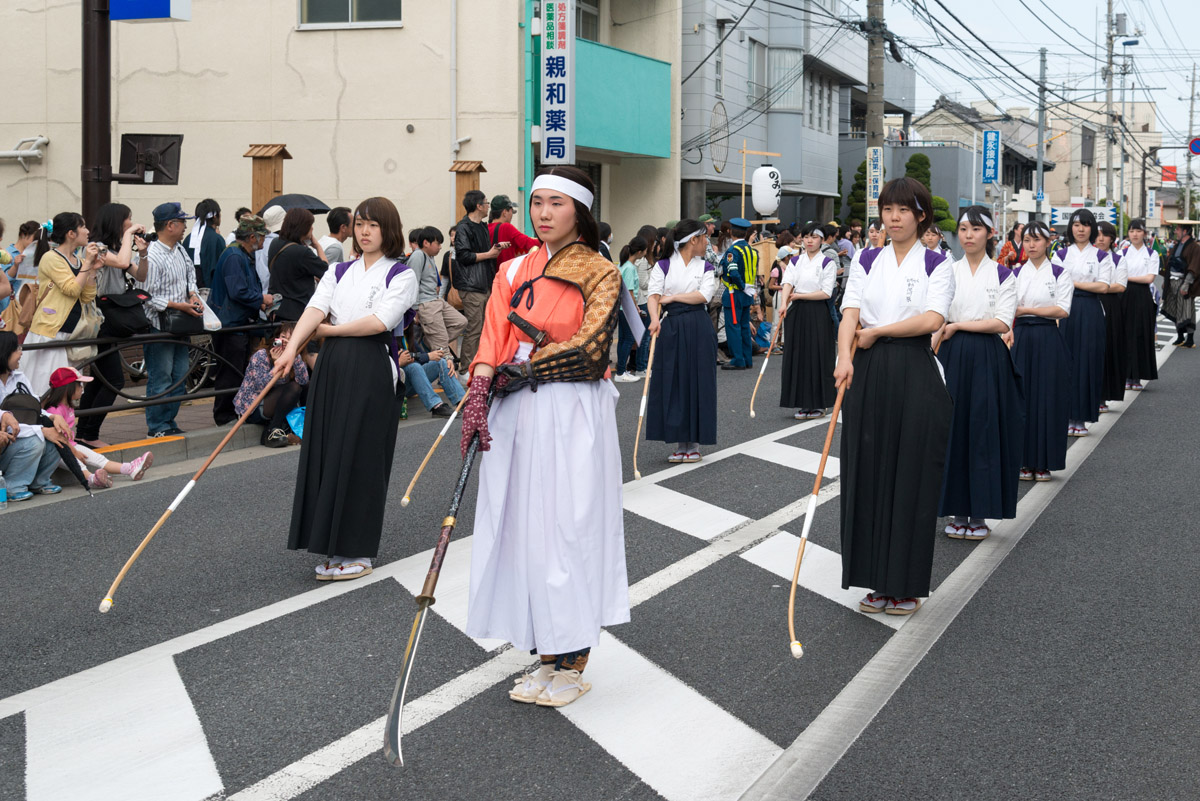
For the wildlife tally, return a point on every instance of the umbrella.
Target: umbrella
(295, 202)
(23, 406)
(72, 464)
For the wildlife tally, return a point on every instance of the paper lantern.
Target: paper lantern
(766, 186)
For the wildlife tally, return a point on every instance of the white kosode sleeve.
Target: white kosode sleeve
(940, 291)
(855, 281)
(790, 276)
(398, 297)
(708, 283)
(1006, 300)
(1120, 272)
(323, 298)
(657, 280)
(1105, 270)
(829, 277)
(1064, 291)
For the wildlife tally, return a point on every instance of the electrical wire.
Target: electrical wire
(732, 28)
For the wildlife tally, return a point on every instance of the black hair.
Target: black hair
(429, 234)
(9, 344)
(58, 396)
(1109, 230)
(241, 212)
(662, 244)
(981, 217)
(64, 223)
(472, 199)
(649, 235)
(206, 207)
(109, 225)
(414, 236)
(29, 228)
(605, 230)
(453, 229)
(1086, 218)
(813, 228)
(1039, 229)
(337, 217)
(43, 244)
(910, 192)
(585, 224)
(933, 229)
(1138, 224)
(636, 245)
(683, 228)
(877, 225)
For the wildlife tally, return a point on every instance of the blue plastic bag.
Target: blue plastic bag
(295, 419)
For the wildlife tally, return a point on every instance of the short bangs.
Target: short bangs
(383, 212)
(911, 193)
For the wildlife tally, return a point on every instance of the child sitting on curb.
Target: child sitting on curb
(66, 388)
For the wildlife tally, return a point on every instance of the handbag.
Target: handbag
(124, 312)
(22, 405)
(452, 296)
(180, 323)
(87, 327)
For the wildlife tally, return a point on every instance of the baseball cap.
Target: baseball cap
(170, 211)
(501, 202)
(273, 218)
(65, 375)
(706, 218)
(248, 225)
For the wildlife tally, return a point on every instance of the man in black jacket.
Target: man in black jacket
(474, 268)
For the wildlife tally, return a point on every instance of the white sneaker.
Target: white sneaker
(531, 685)
(565, 686)
(625, 378)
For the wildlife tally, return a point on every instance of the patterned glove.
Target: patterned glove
(474, 414)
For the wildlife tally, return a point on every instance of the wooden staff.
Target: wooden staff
(797, 649)
(645, 391)
(107, 603)
(408, 492)
(770, 350)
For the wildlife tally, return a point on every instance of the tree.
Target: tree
(838, 210)
(918, 167)
(942, 217)
(858, 193)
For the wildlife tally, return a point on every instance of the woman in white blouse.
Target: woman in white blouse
(1116, 359)
(353, 400)
(1091, 272)
(682, 404)
(987, 430)
(1039, 350)
(808, 358)
(1141, 266)
(896, 417)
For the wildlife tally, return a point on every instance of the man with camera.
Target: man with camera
(173, 307)
(236, 297)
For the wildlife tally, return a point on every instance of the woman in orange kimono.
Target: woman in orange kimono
(548, 553)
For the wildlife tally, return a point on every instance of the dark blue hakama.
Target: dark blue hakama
(682, 402)
(983, 460)
(1044, 363)
(1084, 332)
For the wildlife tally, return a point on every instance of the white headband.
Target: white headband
(679, 245)
(564, 185)
(986, 220)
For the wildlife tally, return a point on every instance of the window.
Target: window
(830, 92)
(758, 74)
(349, 12)
(811, 80)
(719, 62)
(786, 70)
(587, 21)
(820, 103)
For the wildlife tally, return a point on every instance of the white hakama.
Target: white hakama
(548, 555)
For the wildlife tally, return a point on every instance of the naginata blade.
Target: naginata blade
(392, 728)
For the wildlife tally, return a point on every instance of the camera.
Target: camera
(148, 236)
(278, 343)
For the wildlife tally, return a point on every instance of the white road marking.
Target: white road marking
(134, 735)
(673, 738)
(821, 572)
(680, 512)
(806, 762)
(796, 458)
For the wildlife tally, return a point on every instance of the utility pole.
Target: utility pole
(96, 173)
(874, 121)
(1187, 191)
(1124, 132)
(1108, 102)
(1041, 145)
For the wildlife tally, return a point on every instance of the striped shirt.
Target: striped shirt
(171, 278)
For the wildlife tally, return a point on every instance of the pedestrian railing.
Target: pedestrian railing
(201, 356)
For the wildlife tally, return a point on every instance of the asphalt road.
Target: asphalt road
(223, 666)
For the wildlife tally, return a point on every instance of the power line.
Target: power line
(723, 38)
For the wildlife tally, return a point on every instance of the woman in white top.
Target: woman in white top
(1141, 265)
(683, 379)
(1116, 360)
(987, 430)
(808, 358)
(1039, 350)
(896, 417)
(1091, 272)
(353, 400)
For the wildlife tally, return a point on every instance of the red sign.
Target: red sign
(1170, 174)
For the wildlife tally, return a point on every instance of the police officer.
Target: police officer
(739, 275)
